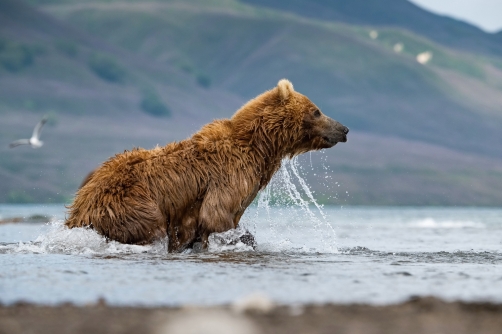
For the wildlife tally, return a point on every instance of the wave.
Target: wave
(445, 224)
(398, 258)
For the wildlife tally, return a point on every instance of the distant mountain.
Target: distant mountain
(394, 13)
(421, 133)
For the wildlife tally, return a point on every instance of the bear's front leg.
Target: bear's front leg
(218, 212)
(182, 236)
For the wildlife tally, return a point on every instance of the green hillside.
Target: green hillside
(96, 75)
(359, 81)
(394, 13)
(118, 74)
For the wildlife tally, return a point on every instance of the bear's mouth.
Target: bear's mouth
(334, 140)
(329, 140)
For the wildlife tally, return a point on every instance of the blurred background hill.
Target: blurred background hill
(112, 75)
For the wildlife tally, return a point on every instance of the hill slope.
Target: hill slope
(46, 67)
(420, 134)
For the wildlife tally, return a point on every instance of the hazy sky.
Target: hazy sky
(486, 14)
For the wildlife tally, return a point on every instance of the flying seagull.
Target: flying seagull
(34, 141)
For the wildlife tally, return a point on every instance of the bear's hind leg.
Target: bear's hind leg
(140, 223)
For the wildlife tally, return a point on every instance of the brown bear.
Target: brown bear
(187, 190)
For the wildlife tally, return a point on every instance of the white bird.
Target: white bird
(34, 141)
(424, 57)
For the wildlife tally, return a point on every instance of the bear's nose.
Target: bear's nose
(345, 130)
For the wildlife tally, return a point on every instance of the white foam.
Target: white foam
(445, 224)
(228, 241)
(62, 240)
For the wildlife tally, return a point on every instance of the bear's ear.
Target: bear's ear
(285, 89)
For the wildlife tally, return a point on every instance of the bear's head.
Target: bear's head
(286, 123)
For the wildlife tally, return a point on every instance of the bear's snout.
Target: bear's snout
(345, 131)
(335, 132)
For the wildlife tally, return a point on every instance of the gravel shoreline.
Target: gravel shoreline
(419, 315)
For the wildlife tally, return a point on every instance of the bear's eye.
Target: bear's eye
(317, 113)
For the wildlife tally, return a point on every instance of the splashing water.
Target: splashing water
(283, 194)
(61, 240)
(230, 240)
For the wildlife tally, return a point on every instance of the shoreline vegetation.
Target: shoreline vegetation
(417, 315)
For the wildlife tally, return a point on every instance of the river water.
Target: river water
(305, 254)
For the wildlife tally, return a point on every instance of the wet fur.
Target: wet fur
(187, 190)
